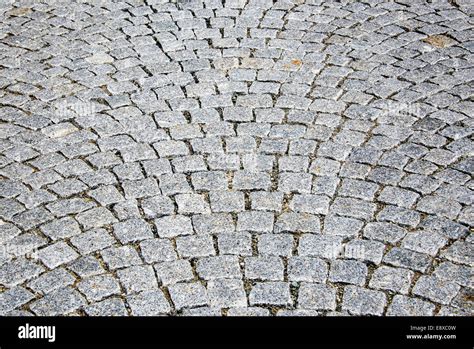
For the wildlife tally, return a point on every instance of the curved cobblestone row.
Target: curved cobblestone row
(236, 157)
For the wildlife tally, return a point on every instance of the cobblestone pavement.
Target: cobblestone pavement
(236, 157)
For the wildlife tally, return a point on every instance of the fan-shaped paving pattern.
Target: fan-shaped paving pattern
(236, 157)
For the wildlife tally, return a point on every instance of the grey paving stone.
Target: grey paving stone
(96, 288)
(270, 293)
(422, 184)
(22, 245)
(51, 280)
(459, 274)
(391, 279)
(189, 164)
(451, 311)
(127, 210)
(463, 300)
(208, 181)
(132, 230)
(140, 188)
(407, 306)
(360, 301)
(107, 307)
(348, 271)
(309, 203)
(227, 201)
(119, 257)
(266, 268)
(342, 226)
(293, 163)
(385, 232)
(95, 218)
(10, 208)
(138, 278)
(13, 298)
(255, 221)
(358, 189)
(175, 271)
(297, 222)
(195, 246)
(157, 250)
(307, 269)
(86, 266)
(436, 290)
(32, 218)
(248, 311)
(60, 302)
(297, 312)
(397, 196)
(295, 183)
(364, 250)
(326, 185)
(157, 205)
(226, 293)
(235, 244)
(246, 180)
(156, 167)
(56, 254)
(148, 303)
(67, 187)
(202, 311)
(216, 223)
(218, 267)
(172, 226)
(7, 232)
(320, 245)
(460, 252)
(61, 228)
(385, 175)
(279, 245)
(266, 201)
(92, 240)
(106, 195)
(427, 242)
(317, 296)
(188, 295)
(353, 208)
(404, 258)
(399, 215)
(296, 134)
(439, 206)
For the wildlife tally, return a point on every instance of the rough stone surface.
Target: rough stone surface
(270, 293)
(317, 296)
(253, 157)
(361, 301)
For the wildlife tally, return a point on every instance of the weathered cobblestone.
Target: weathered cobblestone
(173, 272)
(218, 267)
(360, 301)
(271, 293)
(437, 290)
(392, 279)
(227, 293)
(348, 271)
(264, 268)
(317, 296)
(406, 306)
(307, 269)
(13, 298)
(148, 303)
(98, 287)
(107, 307)
(188, 295)
(254, 157)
